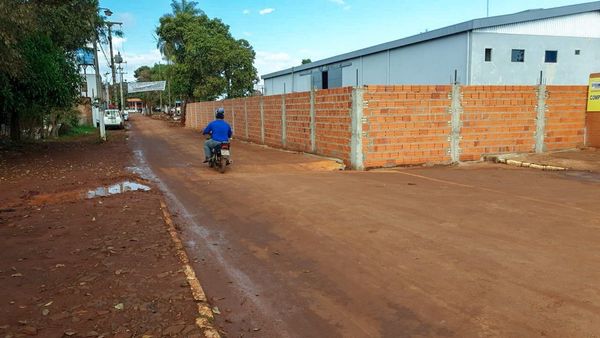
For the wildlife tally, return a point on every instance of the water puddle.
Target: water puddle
(115, 189)
(584, 175)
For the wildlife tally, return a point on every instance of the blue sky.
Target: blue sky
(283, 32)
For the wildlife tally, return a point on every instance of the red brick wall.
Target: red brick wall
(253, 110)
(565, 117)
(333, 114)
(297, 109)
(497, 119)
(405, 125)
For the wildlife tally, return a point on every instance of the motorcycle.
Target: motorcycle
(220, 157)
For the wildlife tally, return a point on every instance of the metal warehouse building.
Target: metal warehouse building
(563, 43)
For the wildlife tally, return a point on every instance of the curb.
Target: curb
(503, 160)
(205, 315)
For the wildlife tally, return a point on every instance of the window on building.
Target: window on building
(577, 52)
(551, 56)
(488, 54)
(518, 55)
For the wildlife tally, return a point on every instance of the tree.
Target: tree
(306, 61)
(185, 6)
(207, 61)
(38, 76)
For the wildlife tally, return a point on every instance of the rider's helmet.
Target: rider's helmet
(220, 113)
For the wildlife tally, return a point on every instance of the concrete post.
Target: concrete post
(246, 117)
(356, 149)
(540, 120)
(262, 121)
(232, 118)
(313, 125)
(283, 122)
(455, 123)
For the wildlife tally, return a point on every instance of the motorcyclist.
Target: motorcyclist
(220, 132)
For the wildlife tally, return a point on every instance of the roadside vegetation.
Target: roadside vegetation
(39, 76)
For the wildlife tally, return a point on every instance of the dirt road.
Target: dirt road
(74, 266)
(286, 247)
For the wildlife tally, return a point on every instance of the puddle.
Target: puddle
(118, 188)
(583, 175)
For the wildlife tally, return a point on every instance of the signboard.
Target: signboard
(138, 87)
(594, 93)
(85, 56)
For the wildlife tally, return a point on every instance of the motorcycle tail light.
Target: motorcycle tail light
(225, 146)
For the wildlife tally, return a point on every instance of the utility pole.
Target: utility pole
(112, 58)
(160, 93)
(488, 8)
(121, 87)
(99, 90)
(119, 61)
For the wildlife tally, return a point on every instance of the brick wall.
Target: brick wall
(297, 110)
(333, 122)
(332, 125)
(565, 120)
(497, 119)
(405, 125)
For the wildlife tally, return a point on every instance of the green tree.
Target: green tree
(207, 61)
(306, 61)
(38, 76)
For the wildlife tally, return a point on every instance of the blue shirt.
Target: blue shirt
(219, 129)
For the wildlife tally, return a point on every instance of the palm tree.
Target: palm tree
(185, 6)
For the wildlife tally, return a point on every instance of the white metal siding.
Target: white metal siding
(585, 25)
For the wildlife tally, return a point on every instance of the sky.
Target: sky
(283, 32)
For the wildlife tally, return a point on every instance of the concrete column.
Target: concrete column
(356, 149)
(283, 122)
(246, 117)
(232, 118)
(540, 120)
(313, 124)
(262, 121)
(455, 123)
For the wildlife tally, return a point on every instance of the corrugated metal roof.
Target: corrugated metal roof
(529, 15)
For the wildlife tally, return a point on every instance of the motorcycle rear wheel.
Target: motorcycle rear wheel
(221, 165)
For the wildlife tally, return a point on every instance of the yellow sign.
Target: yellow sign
(594, 93)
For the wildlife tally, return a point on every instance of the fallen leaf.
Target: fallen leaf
(119, 306)
(216, 311)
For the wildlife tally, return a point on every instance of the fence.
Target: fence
(383, 126)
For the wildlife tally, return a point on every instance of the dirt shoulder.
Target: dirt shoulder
(73, 266)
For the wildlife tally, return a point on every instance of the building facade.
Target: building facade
(559, 46)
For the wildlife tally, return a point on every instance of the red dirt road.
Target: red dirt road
(284, 248)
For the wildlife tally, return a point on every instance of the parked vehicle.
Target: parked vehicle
(113, 118)
(221, 157)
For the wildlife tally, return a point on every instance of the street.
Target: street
(285, 245)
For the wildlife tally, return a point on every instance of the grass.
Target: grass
(85, 129)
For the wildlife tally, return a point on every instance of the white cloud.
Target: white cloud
(268, 62)
(246, 11)
(118, 42)
(266, 11)
(339, 2)
(134, 61)
(247, 33)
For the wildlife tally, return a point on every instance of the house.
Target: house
(559, 45)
